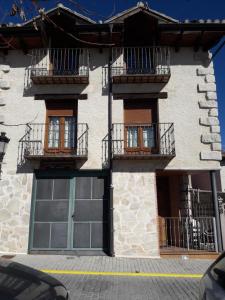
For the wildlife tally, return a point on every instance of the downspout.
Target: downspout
(216, 210)
(110, 163)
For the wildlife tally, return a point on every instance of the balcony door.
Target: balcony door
(139, 60)
(140, 126)
(64, 61)
(61, 127)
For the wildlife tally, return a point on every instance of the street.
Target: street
(129, 288)
(106, 278)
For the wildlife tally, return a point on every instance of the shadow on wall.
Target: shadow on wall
(31, 89)
(138, 166)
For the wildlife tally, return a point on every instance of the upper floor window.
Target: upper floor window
(61, 126)
(140, 125)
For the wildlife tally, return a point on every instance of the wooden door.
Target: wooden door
(163, 199)
(140, 126)
(61, 127)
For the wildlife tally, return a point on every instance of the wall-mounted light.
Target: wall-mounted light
(4, 140)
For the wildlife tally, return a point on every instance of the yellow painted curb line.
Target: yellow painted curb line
(128, 274)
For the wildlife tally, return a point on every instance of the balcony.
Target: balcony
(59, 66)
(55, 141)
(141, 65)
(143, 141)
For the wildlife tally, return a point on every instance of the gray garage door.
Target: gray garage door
(69, 214)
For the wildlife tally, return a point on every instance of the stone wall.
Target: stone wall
(135, 214)
(15, 199)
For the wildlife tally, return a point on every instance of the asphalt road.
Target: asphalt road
(89, 287)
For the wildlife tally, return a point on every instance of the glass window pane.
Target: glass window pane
(53, 132)
(148, 137)
(70, 133)
(132, 137)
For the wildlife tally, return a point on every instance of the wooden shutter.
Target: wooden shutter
(140, 111)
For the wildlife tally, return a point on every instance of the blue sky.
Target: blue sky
(178, 9)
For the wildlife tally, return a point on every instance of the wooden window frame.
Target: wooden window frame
(60, 109)
(140, 127)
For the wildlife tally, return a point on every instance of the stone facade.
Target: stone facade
(135, 199)
(212, 137)
(15, 195)
(135, 214)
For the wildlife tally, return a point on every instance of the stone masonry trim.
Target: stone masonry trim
(212, 138)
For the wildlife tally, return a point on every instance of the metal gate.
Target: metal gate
(69, 212)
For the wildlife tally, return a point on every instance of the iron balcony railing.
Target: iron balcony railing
(143, 139)
(188, 234)
(55, 139)
(59, 62)
(141, 60)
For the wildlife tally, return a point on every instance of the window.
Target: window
(61, 127)
(140, 127)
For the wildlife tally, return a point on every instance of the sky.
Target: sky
(178, 9)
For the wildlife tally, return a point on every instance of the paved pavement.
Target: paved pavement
(138, 279)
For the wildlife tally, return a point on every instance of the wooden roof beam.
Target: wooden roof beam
(178, 41)
(198, 41)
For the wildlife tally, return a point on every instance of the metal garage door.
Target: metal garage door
(69, 213)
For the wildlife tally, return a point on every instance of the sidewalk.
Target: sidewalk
(108, 264)
(137, 279)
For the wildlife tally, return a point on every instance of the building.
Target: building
(108, 122)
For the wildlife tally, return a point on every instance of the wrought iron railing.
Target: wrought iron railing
(188, 234)
(59, 62)
(55, 139)
(141, 60)
(143, 139)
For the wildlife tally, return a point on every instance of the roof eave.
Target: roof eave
(63, 8)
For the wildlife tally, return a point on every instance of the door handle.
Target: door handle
(73, 215)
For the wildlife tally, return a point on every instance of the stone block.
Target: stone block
(4, 215)
(215, 129)
(213, 112)
(210, 138)
(208, 104)
(210, 78)
(216, 146)
(5, 68)
(211, 155)
(205, 71)
(4, 84)
(209, 121)
(207, 87)
(2, 119)
(2, 102)
(211, 96)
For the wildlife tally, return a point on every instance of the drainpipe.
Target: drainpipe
(216, 209)
(111, 223)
